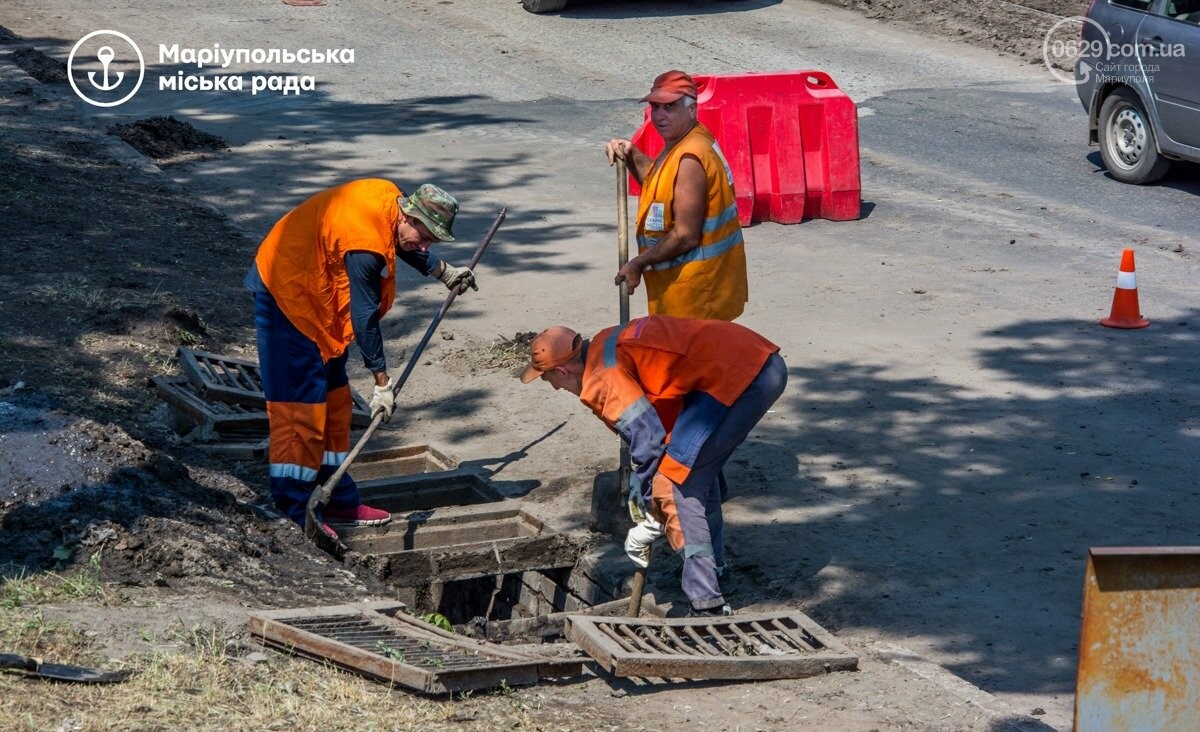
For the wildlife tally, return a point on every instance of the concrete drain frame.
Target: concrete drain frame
(457, 547)
(380, 641)
(431, 547)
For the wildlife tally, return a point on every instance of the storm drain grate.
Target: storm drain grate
(223, 378)
(184, 396)
(239, 381)
(762, 646)
(378, 640)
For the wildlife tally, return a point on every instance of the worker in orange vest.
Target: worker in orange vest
(690, 248)
(684, 394)
(324, 277)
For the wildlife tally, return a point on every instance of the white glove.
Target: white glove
(639, 539)
(383, 400)
(457, 277)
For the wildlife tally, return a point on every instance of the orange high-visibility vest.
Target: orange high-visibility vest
(302, 260)
(662, 360)
(709, 281)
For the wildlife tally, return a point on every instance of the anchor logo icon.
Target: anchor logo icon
(119, 48)
(106, 56)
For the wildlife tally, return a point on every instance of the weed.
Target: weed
(23, 589)
(438, 620)
(387, 651)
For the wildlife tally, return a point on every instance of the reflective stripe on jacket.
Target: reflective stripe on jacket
(710, 280)
(302, 260)
(664, 384)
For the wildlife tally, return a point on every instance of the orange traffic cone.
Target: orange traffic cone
(1125, 312)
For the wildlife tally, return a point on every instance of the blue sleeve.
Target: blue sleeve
(643, 430)
(365, 272)
(423, 262)
(253, 280)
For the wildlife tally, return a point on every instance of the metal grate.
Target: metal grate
(378, 640)
(239, 381)
(763, 646)
(184, 396)
(370, 635)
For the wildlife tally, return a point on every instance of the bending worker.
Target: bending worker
(690, 248)
(324, 277)
(684, 393)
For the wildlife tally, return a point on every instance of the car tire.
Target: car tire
(543, 6)
(1127, 140)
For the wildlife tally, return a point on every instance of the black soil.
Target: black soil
(166, 139)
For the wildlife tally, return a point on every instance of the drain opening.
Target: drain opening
(514, 596)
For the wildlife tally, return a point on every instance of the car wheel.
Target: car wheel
(543, 6)
(1127, 141)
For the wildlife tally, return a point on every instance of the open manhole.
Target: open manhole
(533, 605)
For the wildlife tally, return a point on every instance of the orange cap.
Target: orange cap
(550, 349)
(670, 86)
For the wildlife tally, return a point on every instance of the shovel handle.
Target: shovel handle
(19, 663)
(320, 497)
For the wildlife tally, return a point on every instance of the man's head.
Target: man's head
(556, 356)
(426, 216)
(672, 102)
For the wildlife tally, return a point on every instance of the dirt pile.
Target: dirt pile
(1010, 27)
(168, 141)
(40, 66)
(503, 353)
(151, 519)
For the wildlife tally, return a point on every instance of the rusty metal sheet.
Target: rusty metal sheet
(1139, 663)
(759, 646)
(239, 381)
(379, 640)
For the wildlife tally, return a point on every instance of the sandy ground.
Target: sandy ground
(956, 430)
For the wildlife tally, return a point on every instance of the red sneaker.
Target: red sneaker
(360, 515)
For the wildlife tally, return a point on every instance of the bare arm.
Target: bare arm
(639, 164)
(687, 208)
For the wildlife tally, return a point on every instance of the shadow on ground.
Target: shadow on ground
(935, 511)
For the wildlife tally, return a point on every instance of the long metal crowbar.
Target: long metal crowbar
(320, 496)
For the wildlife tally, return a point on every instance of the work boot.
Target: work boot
(360, 515)
(712, 612)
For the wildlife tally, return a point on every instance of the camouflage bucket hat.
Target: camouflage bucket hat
(433, 207)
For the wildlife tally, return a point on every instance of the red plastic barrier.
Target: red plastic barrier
(790, 138)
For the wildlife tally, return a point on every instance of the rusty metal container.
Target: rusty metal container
(1139, 644)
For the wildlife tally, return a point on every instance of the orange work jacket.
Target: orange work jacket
(708, 282)
(302, 259)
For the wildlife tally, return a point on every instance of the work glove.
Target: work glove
(639, 539)
(637, 505)
(383, 400)
(457, 277)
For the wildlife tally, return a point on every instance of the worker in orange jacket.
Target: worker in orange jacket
(324, 277)
(684, 394)
(690, 247)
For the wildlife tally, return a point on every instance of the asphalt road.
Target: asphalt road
(952, 402)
